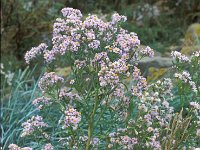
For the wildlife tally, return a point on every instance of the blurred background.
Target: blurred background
(161, 24)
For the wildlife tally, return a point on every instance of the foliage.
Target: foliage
(95, 108)
(24, 23)
(16, 106)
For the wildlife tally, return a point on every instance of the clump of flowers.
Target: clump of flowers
(41, 102)
(67, 94)
(48, 147)
(49, 80)
(187, 75)
(35, 51)
(71, 13)
(125, 141)
(117, 18)
(186, 78)
(32, 124)
(72, 118)
(95, 108)
(109, 74)
(180, 57)
(147, 51)
(195, 105)
(15, 147)
(141, 84)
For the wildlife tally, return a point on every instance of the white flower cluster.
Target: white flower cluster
(8, 75)
(185, 77)
(147, 51)
(32, 124)
(48, 146)
(16, 147)
(180, 57)
(34, 52)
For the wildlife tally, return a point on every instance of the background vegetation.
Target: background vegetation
(161, 24)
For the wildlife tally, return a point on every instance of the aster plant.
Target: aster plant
(106, 103)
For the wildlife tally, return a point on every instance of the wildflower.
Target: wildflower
(94, 141)
(48, 147)
(101, 57)
(127, 41)
(127, 140)
(72, 82)
(139, 87)
(147, 51)
(150, 129)
(119, 92)
(110, 145)
(71, 13)
(109, 64)
(195, 105)
(72, 118)
(41, 101)
(94, 44)
(196, 54)
(49, 80)
(79, 64)
(143, 107)
(109, 75)
(83, 138)
(136, 73)
(66, 94)
(179, 56)
(32, 124)
(93, 22)
(90, 35)
(185, 76)
(15, 147)
(34, 52)
(154, 143)
(49, 56)
(112, 134)
(117, 18)
(193, 86)
(165, 103)
(167, 86)
(116, 50)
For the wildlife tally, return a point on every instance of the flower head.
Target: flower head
(32, 124)
(49, 80)
(72, 118)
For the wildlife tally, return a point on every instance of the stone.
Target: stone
(156, 62)
(192, 39)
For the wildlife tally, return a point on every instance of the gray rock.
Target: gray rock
(156, 62)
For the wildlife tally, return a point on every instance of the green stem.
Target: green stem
(182, 96)
(89, 135)
(90, 122)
